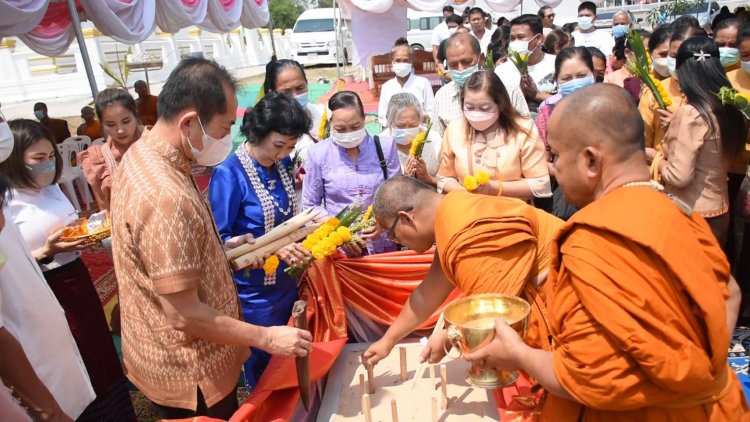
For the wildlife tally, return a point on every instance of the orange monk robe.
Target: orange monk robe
(497, 245)
(636, 308)
(93, 130)
(147, 110)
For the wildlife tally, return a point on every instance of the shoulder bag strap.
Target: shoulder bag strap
(381, 157)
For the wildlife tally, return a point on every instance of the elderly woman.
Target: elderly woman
(252, 192)
(404, 118)
(493, 138)
(349, 167)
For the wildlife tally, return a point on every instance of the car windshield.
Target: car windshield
(314, 25)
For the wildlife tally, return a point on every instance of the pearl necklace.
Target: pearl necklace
(267, 200)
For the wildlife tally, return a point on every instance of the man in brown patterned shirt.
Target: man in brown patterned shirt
(183, 340)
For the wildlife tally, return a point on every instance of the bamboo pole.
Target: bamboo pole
(277, 232)
(247, 259)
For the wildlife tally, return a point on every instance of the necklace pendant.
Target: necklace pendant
(272, 184)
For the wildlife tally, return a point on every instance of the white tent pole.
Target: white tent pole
(82, 47)
(337, 24)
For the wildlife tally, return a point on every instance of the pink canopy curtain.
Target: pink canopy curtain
(223, 15)
(21, 16)
(54, 34)
(127, 21)
(255, 13)
(173, 15)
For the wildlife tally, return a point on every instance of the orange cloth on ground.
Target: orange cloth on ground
(147, 110)
(497, 245)
(93, 131)
(637, 291)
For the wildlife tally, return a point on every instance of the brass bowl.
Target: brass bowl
(76, 231)
(470, 322)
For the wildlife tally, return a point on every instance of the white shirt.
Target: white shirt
(448, 104)
(417, 85)
(440, 33)
(485, 41)
(305, 141)
(32, 314)
(38, 214)
(600, 39)
(542, 73)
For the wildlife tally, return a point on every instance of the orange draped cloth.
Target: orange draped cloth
(637, 291)
(497, 245)
(147, 110)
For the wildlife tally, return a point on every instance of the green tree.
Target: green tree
(285, 12)
(325, 3)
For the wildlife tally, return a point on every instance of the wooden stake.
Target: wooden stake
(402, 353)
(362, 384)
(370, 381)
(394, 412)
(366, 407)
(432, 377)
(444, 385)
(434, 409)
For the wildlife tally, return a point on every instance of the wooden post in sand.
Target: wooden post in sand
(432, 377)
(366, 407)
(394, 412)
(444, 386)
(404, 372)
(362, 384)
(370, 380)
(434, 409)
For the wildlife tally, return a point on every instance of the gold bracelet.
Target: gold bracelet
(500, 188)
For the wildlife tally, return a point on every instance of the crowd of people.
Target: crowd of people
(620, 222)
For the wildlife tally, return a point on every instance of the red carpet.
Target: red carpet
(101, 268)
(369, 100)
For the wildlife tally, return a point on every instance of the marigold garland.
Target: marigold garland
(472, 183)
(271, 265)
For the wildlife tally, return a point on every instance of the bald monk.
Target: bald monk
(641, 303)
(484, 245)
(147, 110)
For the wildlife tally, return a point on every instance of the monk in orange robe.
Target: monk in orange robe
(147, 104)
(91, 127)
(641, 303)
(484, 245)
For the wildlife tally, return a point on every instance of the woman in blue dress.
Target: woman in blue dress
(252, 192)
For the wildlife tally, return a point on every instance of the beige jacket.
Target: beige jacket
(696, 171)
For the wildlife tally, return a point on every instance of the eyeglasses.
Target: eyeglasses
(549, 16)
(392, 232)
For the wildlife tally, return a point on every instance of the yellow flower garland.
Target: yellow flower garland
(471, 183)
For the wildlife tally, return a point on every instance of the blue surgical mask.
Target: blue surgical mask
(672, 66)
(569, 87)
(460, 76)
(619, 31)
(303, 99)
(745, 66)
(585, 22)
(39, 114)
(43, 173)
(729, 56)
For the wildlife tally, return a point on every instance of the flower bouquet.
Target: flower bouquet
(729, 96)
(417, 145)
(521, 60)
(640, 66)
(472, 183)
(335, 232)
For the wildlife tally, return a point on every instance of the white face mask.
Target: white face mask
(349, 139)
(660, 66)
(6, 141)
(521, 47)
(401, 69)
(672, 66)
(404, 136)
(745, 66)
(585, 22)
(214, 150)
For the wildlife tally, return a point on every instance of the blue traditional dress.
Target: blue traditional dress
(248, 198)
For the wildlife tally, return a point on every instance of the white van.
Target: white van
(421, 24)
(314, 37)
